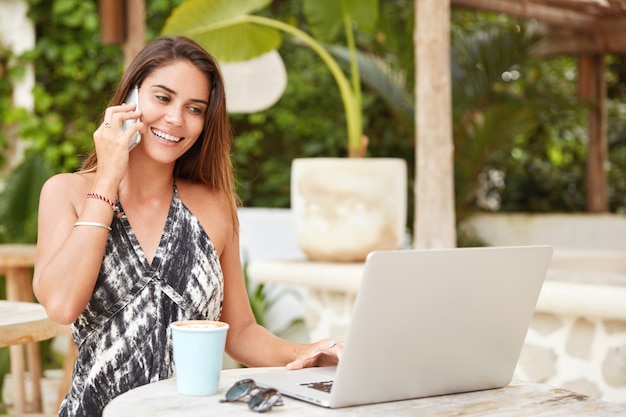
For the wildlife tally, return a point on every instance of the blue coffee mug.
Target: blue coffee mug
(198, 353)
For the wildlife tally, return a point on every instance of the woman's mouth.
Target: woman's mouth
(166, 136)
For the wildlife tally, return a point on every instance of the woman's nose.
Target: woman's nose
(174, 115)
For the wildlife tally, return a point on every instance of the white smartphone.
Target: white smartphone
(133, 97)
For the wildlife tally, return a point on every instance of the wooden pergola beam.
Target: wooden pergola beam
(578, 15)
(607, 25)
(550, 15)
(571, 42)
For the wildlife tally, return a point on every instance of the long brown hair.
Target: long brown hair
(208, 160)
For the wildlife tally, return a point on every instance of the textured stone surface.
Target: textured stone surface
(581, 338)
(583, 386)
(614, 366)
(538, 363)
(586, 355)
(546, 324)
(615, 326)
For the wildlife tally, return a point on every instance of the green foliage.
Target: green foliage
(545, 170)
(520, 130)
(326, 18)
(220, 24)
(6, 91)
(617, 154)
(488, 113)
(71, 76)
(20, 199)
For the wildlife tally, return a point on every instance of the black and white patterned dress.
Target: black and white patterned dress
(123, 336)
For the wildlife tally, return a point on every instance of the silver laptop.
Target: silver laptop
(428, 322)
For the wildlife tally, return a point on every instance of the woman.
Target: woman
(139, 239)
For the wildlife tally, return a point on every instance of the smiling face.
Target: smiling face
(173, 101)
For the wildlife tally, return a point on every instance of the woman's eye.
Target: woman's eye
(196, 110)
(162, 98)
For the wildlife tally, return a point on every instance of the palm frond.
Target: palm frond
(378, 75)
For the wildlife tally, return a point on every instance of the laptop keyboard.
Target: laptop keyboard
(324, 386)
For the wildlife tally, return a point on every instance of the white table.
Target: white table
(161, 399)
(24, 323)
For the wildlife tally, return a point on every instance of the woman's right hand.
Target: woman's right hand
(112, 143)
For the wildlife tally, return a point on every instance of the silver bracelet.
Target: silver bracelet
(95, 224)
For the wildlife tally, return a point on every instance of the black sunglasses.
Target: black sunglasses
(261, 399)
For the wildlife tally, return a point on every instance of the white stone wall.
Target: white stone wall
(582, 354)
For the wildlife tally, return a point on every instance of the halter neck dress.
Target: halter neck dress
(123, 335)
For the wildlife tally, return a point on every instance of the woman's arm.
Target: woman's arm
(68, 257)
(251, 344)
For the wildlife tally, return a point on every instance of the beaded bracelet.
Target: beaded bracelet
(106, 200)
(95, 224)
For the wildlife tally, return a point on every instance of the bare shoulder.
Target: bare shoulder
(210, 207)
(68, 188)
(68, 181)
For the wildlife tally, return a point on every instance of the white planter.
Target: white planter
(345, 208)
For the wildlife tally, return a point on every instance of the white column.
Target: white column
(17, 32)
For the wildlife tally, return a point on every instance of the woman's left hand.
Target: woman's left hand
(326, 352)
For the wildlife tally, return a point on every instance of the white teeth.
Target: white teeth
(165, 136)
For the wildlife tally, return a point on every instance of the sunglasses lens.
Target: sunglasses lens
(264, 400)
(239, 390)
